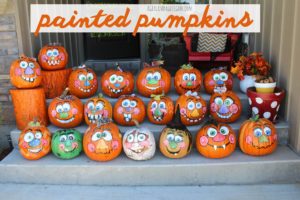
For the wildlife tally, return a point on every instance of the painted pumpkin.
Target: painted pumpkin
(216, 140)
(192, 108)
(53, 57)
(139, 143)
(34, 141)
(115, 83)
(83, 82)
(218, 80)
(65, 111)
(102, 141)
(160, 109)
(97, 108)
(129, 108)
(25, 72)
(225, 107)
(258, 137)
(187, 78)
(175, 140)
(66, 144)
(153, 80)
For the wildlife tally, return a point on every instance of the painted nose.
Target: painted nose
(223, 109)
(189, 83)
(63, 115)
(220, 82)
(28, 71)
(117, 85)
(195, 113)
(128, 109)
(157, 112)
(35, 143)
(86, 83)
(219, 138)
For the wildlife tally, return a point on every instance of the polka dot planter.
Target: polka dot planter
(266, 105)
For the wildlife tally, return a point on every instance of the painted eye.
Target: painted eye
(49, 53)
(228, 101)
(157, 76)
(59, 108)
(71, 137)
(193, 77)
(185, 77)
(133, 104)
(66, 107)
(198, 105)
(257, 132)
(90, 76)
(62, 138)
(38, 135)
(125, 103)
(107, 135)
(149, 76)
(224, 130)
(99, 106)
(267, 131)
(216, 77)
(120, 78)
(130, 138)
(191, 105)
(178, 139)
(162, 105)
(96, 136)
(141, 137)
(211, 132)
(82, 77)
(55, 52)
(219, 101)
(170, 137)
(154, 104)
(31, 65)
(23, 64)
(113, 78)
(223, 76)
(28, 137)
(91, 106)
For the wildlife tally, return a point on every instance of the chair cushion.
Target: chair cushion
(208, 42)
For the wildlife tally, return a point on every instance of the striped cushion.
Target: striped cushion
(208, 42)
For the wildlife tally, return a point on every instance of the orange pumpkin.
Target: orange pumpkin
(25, 72)
(34, 141)
(65, 111)
(153, 80)
(115, 83)
(218, 80)
(97, 108)
(258, 136)
(53, 57)
(192, 108)
(216, 140)
(129, 108)
(225, 107)
(187, 78)
(102, 141)
(83, 82)
(160, 109)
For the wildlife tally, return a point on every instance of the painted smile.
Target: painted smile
(152, 88)
(86, 90)
(116, 91)
(138, 149)
(262, 147)
(127, 117)
(93, 118)
(53, 62)
(192, 120)
(31, 79)
(35, 150)
(188, 87)
(172, 152)
(65, 121)
(228, 115)
(158, 118)
(219, 146)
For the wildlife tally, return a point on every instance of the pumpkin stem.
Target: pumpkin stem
(100, 95)
(254, 117)
(34, 123)
(65, 93)
(137, 124)
(102, 121)
(157, 97)
(157, 63)
(118, 67)
(187, 66)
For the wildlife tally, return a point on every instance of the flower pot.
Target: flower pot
(246, 83)
(266, 105)
(265, 87)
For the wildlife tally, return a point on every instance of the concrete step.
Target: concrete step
(280, 167)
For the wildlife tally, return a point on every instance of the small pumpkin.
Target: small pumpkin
(192, 108)
(97, 108)
(83, 82)
(187, 78)
(160, 109)
(102, 141)
(25, 72)
(66, 144)
(129, 108)
(53, 57)
(34, 141)
(218, 80)
(258, 137)
(139, 143)
(225, 107)
(116, 82)
(175, 140)
(153, 80)
(215, 140)
(65, 111)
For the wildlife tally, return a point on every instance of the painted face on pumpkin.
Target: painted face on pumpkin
(86, 80)
(96, 109)
(64, 112)
(34, 141)
(263, 136)
(187, 78)
(28, 70)
(218, 81)
(116, 83)
(153, 80)
(160, 111)
(53, 56)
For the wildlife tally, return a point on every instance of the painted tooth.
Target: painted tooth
(224, 146)
(215, 147)
(96, 116)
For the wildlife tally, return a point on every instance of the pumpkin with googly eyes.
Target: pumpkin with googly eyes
(216, 140)
(25, 72)
(83, 82)
(53, 57)
(187, 78)
(225, 107)
(116, 82)
(153, 80)
(129, 108)
(65, 111)
(34, 141)
(258, 137)
(218, 80)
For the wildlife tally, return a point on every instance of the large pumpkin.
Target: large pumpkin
(258, 136)
(53, 57)
(34, 141)
(187, 78)
(25, 72)
(160, 109)
(218, 80)
(192, 108)
(65, 111)
(225, 107)
(216, 140)
(97, 108)
(129, 108)
(153, 80)
(83, 82)
(115, 83)
(102, 141)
